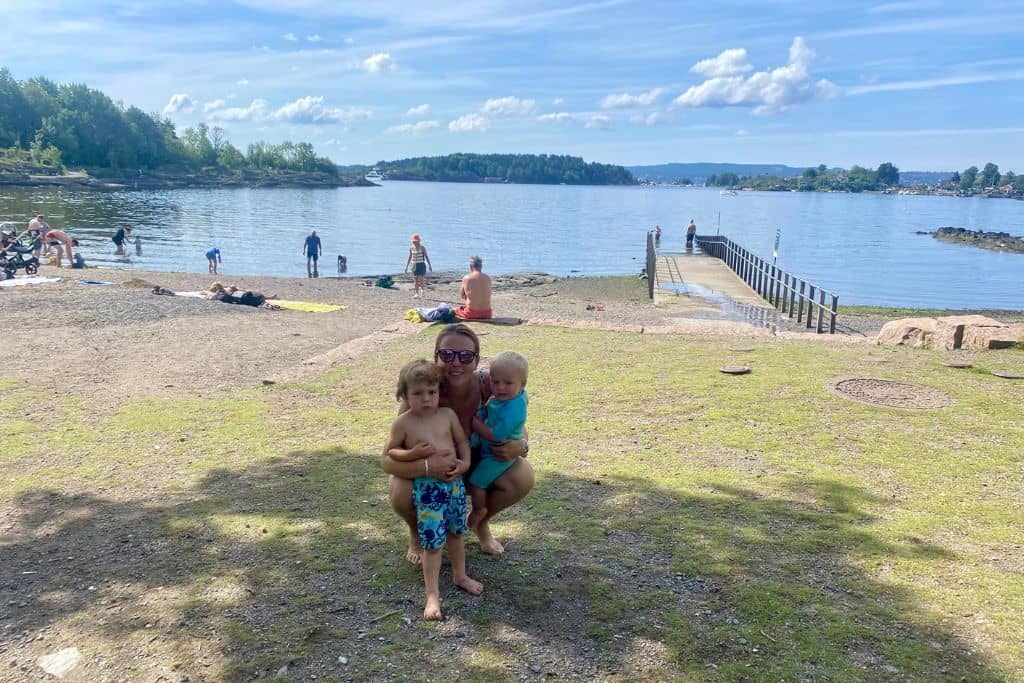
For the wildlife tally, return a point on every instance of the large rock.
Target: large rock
(949, 330)
(914, 332)
(992, 337)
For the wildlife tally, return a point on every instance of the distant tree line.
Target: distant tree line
(973, 181)
(817, 179)
(544, 169)
(56, 125)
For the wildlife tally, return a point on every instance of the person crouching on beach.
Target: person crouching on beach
(212, 259)
(418, 433)
(504, 418)
(420, 263)
(64, 243)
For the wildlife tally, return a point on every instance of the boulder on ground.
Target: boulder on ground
(914, 332)
(1003, 337)
(949, 330)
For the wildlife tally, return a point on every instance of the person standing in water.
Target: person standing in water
(691, 232)
(213, 258)
(420, 264)
(120, 237)
(312, 248)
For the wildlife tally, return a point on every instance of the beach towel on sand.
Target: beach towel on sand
(307, 306)
(34, 280)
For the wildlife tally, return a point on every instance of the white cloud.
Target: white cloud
(469, 123)
(765, 91)
(558, 101)
(349, 41)
(598, 122)
(256, 111)
(312, 111)
(729, 63)
(180, 103)
(901, 86)
(215, 104)
(418, 128)
(290, 37)
(559, 117)
(242, 82)
(652, 119)
(625, 100)
(418, 110)
(379, 62)
(315, 38)
(508, 106)
(741, 133)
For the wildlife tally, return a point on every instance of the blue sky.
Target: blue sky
(926, 85)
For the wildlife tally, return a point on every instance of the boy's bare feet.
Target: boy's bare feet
(476, 517)
(415, 552)
(432, 611)
(471, 586)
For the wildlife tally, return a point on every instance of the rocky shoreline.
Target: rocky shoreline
(997, 241)
(165, 180)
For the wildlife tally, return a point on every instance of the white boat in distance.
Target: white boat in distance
(727, 193)
(375, 175)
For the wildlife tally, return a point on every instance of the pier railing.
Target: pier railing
(786, 292)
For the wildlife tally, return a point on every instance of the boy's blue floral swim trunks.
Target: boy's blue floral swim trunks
(440, 510)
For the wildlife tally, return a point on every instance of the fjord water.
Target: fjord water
(862, 246)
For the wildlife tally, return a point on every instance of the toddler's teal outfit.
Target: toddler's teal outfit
(506, 419)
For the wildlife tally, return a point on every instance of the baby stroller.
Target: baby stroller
(15, 255)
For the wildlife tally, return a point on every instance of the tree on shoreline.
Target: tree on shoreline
(72, 124)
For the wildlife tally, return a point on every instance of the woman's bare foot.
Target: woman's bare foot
(415, 552)
(488, 543)
(432, 611)
(476, 517)
(471, 586)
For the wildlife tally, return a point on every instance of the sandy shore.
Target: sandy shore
(122, 340)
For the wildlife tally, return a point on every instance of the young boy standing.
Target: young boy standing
(441, 507)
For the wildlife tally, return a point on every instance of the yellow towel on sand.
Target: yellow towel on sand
(307, 306)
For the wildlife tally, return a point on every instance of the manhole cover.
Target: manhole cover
(885, 392)
(953, 363)
(1005, 374)
(734, 369)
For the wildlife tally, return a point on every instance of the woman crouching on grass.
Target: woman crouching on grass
(464, 390)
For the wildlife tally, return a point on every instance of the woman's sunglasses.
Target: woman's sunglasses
(448, 355)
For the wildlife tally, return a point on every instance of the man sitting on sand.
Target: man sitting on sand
(476, 292)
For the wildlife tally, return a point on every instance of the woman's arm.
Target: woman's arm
(511, 449)
(408, 261)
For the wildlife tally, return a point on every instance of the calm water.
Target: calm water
(861, 246)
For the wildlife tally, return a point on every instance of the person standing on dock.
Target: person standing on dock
(691, 232)
(312, 248)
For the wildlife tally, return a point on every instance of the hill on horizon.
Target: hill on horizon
(701, 171)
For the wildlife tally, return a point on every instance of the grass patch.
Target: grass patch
(685, 524)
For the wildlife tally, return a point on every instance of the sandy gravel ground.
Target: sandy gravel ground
(122, 340)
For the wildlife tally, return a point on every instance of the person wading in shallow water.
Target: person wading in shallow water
(464, 390)
(312, 248)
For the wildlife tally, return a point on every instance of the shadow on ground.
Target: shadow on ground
(288, 565)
